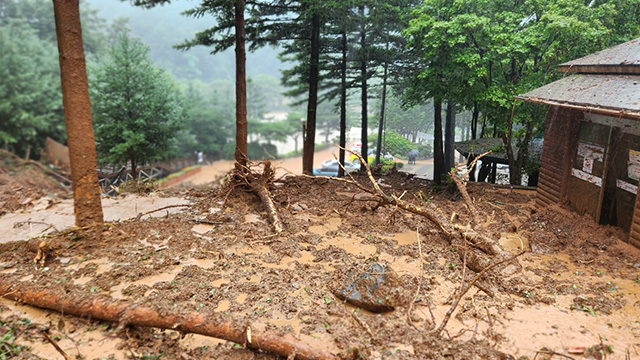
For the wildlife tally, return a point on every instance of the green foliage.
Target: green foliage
(255, 150)
(486, 52)
(207, 127)
(30, 97)
(8, 330)
(396, 144)
(137, 109)
(407, 121)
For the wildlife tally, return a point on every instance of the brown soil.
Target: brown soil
(21, 185)
(579, 287)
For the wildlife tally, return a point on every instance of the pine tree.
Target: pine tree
(137, 108)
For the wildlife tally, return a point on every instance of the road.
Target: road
(214, 171)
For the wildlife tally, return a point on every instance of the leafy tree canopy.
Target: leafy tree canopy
(136, 107)
(30, 98)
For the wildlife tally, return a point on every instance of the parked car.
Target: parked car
(330, 168)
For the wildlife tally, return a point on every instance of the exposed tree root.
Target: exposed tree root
(259, 183)
(214, 325)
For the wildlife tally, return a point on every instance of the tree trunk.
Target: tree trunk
(312, 104)
(134, 169)
(343, 104)
(241, 89)
(474, 121)
(438, 155)
(77, 114)
(363, 73)
(382, 108)
(254, 336)
(515, 173)
(449, 137)
(523, 154)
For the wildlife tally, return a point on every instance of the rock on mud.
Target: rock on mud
(376, 288)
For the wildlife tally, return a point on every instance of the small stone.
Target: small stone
(295, 285)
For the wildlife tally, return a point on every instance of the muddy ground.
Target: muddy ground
(577, 295)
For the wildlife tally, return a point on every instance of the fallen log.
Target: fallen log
(214, 325)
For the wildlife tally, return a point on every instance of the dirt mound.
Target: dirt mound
(21, 183)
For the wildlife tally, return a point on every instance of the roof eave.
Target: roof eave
(632, 69)
(625, 113)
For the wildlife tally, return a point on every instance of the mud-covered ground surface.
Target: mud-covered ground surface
(577, 293)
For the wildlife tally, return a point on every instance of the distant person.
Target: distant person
(200, 157)
(413, 154)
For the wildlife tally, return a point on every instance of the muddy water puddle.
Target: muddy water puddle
(558, 326)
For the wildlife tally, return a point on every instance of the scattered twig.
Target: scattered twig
(552, 353)
(433, 318)
(207, 222)
(464, 291)
(30, 222)
(140, 215)
(55, 345)
(488, 316)
(362, 323)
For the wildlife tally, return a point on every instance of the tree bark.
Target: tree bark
(449, 137)
(474, 121)
(363, 73)
(438, 155)
(215, 325)
(134, 169)
(312, 104)
(382, 109)
(241, 89)
(343, 104)
(77, 114)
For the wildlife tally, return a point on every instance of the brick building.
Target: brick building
(591, 154)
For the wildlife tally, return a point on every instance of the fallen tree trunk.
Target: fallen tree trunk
(214, 325)
(265, 195)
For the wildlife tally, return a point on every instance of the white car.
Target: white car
(330, 168)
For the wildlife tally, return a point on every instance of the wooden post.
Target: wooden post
(77, 114)
(605, 172)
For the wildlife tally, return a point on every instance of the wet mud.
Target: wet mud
(578, 293)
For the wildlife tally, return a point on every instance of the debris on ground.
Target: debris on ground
(578, 285)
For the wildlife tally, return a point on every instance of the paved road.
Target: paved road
(218, 169)
(422, 168)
